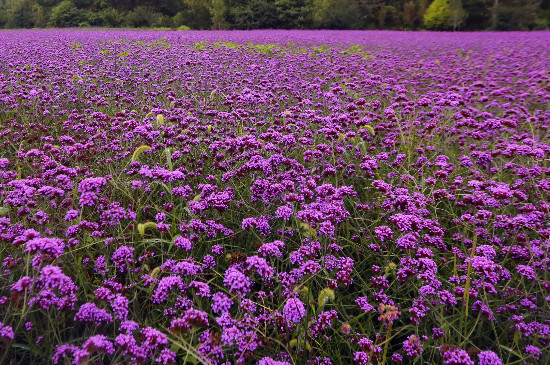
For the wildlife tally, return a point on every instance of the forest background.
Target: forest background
(279, 14)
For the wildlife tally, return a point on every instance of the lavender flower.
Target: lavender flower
(89, 313)
(237, 282)
(6, 331)
(294, 311)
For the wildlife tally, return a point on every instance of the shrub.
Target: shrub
(437, 15)
(142, 16)
(112, 17)
(65, 14)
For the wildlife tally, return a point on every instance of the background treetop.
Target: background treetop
(280, 14)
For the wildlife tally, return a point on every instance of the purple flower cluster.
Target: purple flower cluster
(274, 197)
(294, 310)
(89, 313)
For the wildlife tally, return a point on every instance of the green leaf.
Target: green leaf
(139, 151)
(325, 296)
(142, 227)
(517, 335)
(169, 158)
(369, 128)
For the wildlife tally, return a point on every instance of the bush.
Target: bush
(515, 18)
(163, 21)
(19, 15)
(178, 19)
(38, 16)
(437, 15)
(142, 16)
(195, 15)
(334, 14)
(94, 18)
(66, 14)
(112, 17)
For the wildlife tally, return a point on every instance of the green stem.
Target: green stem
(467, 285)
(388, 333)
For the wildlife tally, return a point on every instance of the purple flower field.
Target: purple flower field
(274, 197)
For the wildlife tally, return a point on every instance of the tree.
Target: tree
(369, 12)
(515, 14)
(65, 14)
(18, 13)
(335, 14)
(479, 14)
(38, 16)
(286, 14)
(422, 5)
(112, 17)
(254, 14)
(437, 15)
(196, 14)
(142, 16)
(218, 12)
(291, 14)
(391, 17)
(494, 14)
(458, 14)
(409, 14)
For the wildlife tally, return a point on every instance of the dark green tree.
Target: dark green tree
(291, 14)
(142, 16)
(514, 14)
(218, 11)
(409, 14)
(112, 17)
(281, 14)
(458, 14)
(17, 14)
(38, 16)
(479, 14)
(65, 14)
(335, 14)
(196, 14)
(254, 14)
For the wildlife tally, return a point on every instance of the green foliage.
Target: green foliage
(18, 14)
(38, 16)
(254, 14)
(65, 14)
(218, 11)
(479, 14)
(543, 20)
(279, 14)
(437, 15)
(458, 14)
(515, 15)
(94, 18)
(335, 14)
(291, 14)
(178, 20)
(163, 22)
(142, 16)
(268, 48)
(194, 17)
(196, 14)
(112, 17)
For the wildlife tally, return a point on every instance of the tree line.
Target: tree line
(279, 14)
